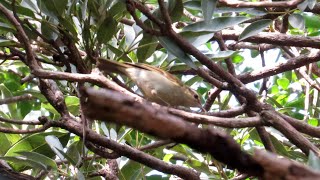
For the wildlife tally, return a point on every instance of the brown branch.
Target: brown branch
(309, 80)
(149, 119)
(277, 39)
(283, 168)
(12, 121)
(101, 151)
(165, 14)
(229, 112)
(131, 8)
(290, 132)
(22, 37)
(280, 68)
(264, 4)
(16, 99)
(302, 127)
(211, 98)
(124, 150)
(218, 121)
(110, 172)
(223, 47)
(155, 145)
(95, 77)
(46, 125)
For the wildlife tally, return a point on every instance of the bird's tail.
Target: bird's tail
(112, 66)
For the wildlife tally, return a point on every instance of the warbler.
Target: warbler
(155, 84)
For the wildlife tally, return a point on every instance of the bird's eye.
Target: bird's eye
(196, 96)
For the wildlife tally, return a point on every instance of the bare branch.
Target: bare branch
(14, 99)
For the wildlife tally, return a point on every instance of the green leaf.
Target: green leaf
(215, 24)
(175, 10)
(147, 47)
(237, 59)
(35, 143)
(193, 80)
(50, 108)
(23, 162)
(254, 28)
(313, 122)
(283, 82)
(194, 5)
(39, 158)
(297, 21)
(198, 166)
(48, 30)
(221, 55)
(6, 140)
(6, 43)
(69, 26)
(30, 4)
(106, 30)
(314, 161)
(167, 157)
(312, 21)
(252, 11)
(25, 11)
(278, 146)
(73, 104)
(197, 38)
(73, 153)
(134, 170)
(53, 7)
(55, 145)
(173, 48)
(208, 7)
(117, 8)
(6, 93)
(297, 103)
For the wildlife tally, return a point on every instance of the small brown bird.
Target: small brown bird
(156, 85)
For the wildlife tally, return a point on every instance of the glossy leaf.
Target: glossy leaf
(173, 48)
(303, 5)
(25, 163)
(254, 28)
(55, 145)
(208, 7)
(197, 38)
(50, 164)
(222, 55)
(296, 21)
(215, 24)
(312, 21)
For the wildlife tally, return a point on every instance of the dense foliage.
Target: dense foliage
(253, 64)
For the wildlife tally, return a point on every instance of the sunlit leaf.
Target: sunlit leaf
(296, 21)
(283, 82)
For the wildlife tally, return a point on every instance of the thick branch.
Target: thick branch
(148, 119)
(275, 39)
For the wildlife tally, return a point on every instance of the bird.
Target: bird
(155, 84)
